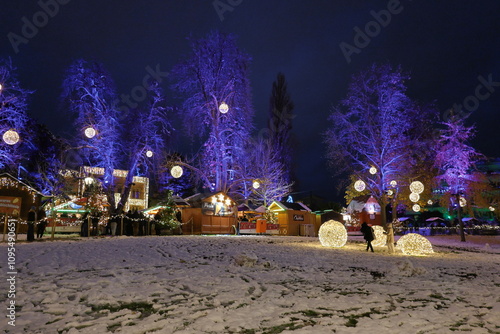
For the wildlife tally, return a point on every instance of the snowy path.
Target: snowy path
(195, 284)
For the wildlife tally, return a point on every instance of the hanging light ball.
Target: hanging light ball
(414, 244)
(332, 234)
(462, 201)
(373, 170)
(223, 108)
(416, 208)
(90, 132)
(390, 192)
(492, 208)
(359, 185)
(417, 187)
(10, 137)
(393, 183)
(149, 153)
(176, 171)
(430, 202)
(380, 237)
(1, 87)
(414, 197)
(256, 184)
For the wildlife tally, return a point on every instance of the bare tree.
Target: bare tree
(456, 161)
(217, 107)
(13, 116)
(371, 135)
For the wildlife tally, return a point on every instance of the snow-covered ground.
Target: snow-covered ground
(252, 284)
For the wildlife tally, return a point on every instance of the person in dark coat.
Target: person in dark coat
(31, 224)
(84, 230)
(368, 234)
(40, 228)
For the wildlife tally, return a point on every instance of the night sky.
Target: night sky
(446, 45)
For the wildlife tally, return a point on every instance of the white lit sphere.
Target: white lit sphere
(463, 202)
(430, 202)
(149, 153)
(390, 192)
(256, 184)
(414, 197)
(417, 187)
(492, 208)
(10, 137)
(223, 108)
(1, 87)
(416, 208)
(380, 237)
(90, 132)
(414, 244)
(332, 234)
(359, 185)
(176, 171)
(393, 183)
(373, 170)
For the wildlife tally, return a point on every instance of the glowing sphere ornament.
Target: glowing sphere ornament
(414, 244)
(90, 132)
(332, 234)
(256, 184)
(223, 108)
(380, 237)
(416, 208)
(492, 208)
(463, 202)
(390, 192)
(393, 183)
(359, 185)
(430, 202)
(149, 153)
(176, 171)
(10, 137)
(1, 87)
(414, 197)
(373, 170)
(417, 187)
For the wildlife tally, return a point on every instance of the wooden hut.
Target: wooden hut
(212, 214)
(294, 218)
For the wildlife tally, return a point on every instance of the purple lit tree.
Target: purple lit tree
(280, 123)
(456, 161)
(269, 172)
(13, 117)
(217, 108)
(371, 135)
(108, 139)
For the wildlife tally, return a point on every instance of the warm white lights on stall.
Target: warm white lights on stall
(332, 234)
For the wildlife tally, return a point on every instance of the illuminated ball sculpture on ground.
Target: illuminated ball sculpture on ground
(380, 237)
(332, 234)
(414, 244)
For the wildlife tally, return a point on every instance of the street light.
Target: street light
(10, 137)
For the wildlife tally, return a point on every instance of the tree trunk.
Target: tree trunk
(459, 217)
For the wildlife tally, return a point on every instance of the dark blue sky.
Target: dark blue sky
(446, 45)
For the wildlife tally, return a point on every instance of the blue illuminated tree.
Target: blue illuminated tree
(132, 141)
(13, 116)
(374, 126)
(456, 161)
(214, 74)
